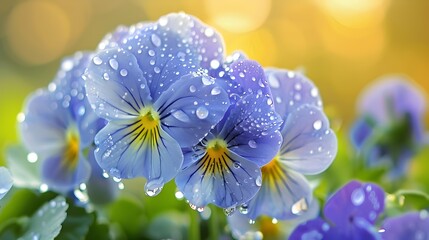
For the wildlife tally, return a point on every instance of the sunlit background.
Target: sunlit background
(342, 45)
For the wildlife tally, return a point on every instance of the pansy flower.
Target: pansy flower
(408, 226)
(224, 168)
(58, 125)
(390, 127)
(150, 88)
(350, 214)
(6, 181)
(308, 147)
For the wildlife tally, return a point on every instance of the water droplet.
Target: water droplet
(237, 165)
(273, 81)
(269, 101)
(317, 125)
(105, 174)
(299, 207)
(123, 72)
(251, 221)
(229, 211)
(113, 64)
(154, 187)
(156, 69)
(106, 76)
(298, 86)
(81, 111)
(252, 143)
(209, 32)
(82, 186)
(43, 188)
(155, 40)
(163, 21)
(179, 195)
(151, 53)
(214, 64)
(314, 92)
(52, 87)
(207, 80)
(202, 112)
(142, 86)
(192, 88)
(32, 157)
(241, 74)
(114, 172)
(244, 209)
(121, 186)
(200, 209)
(291, 74)
(275, 221)
(358, 197)
(97, 61)
(20, 117)
(258, 181)
(216, 91)
(181, 116)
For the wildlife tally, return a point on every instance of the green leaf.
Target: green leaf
(46, 222)
(77, 223)
(12, 228)
(413, 199)
(98, 231)
(24, 173)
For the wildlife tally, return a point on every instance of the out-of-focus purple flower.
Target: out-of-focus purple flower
(224, 168)
(148, 84)
(390, 125)
(59, 125)
(350, 213)
(409, 226)
(6, 181)
(308, 147)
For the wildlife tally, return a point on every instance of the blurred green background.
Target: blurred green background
(342, 45)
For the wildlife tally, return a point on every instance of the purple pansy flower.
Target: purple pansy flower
(224, 168)
(308, 147)
(390, 127)
(350, 214)
(148, 84)
(408, 226)
(59, 125)
(6, 181)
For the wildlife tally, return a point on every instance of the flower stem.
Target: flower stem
(214, 224)
(194, 225)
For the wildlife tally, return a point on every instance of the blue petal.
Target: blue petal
(43, 130)
(191, 107)
(175, 37)
(63, 178)
(251, 77)
(309, 145)
(115, 85)
(360, 132)
(315, 229)
(251, 129)
(408, 226)
(290, 90)
(225, 183)
(6, 181)
(125, 150)
(221, 70)
(355, 200)
(121, 33)
(284, 194)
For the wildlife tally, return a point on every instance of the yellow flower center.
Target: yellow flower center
(146, 130)
(71, 153)
(273, 172)
(217, 158)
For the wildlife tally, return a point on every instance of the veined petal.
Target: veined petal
(412, 225)
(6, 181)
(219, 177)
(44, 128)
(284, 194)
(251, 129)
(221, 70)
(309, 145)
(115, 85)
(191, 107)
(290, 90)
(115, 38)
(63, 174)
(251, 77)
(355, 200)
(138, 147)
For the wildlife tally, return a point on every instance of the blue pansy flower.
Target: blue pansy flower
(408, 226)
(150, 88)
(308, 147)
(390, 127)
(6, 181)
(224, 168)
(59, 125)
(350, 213)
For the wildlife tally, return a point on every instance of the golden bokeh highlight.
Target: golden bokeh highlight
(37, 31)
(240, 15)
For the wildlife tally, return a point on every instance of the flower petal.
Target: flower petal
(191, 107)
(412, 225)
(284, 194)
(6, 181)
(290, 90)
(225, 182)
(44, 127)
(312, 230)
(355, 200)
(251, 129)
(115, 85)
(251, 77)
(59, 175)
(115, 38)
(309, 145)
(127, 150)
(360, 132)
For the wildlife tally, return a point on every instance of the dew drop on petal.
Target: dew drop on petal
(237, 165)
(123, 72)
(202, 112)
(358, 197)
(208, 32)
(229, 211)
(216, 91)
(252, 143)
(151, 53)
(274, 221)
(52, 87)
(214, 64)
(207, 80)
(142, 86)
(156, 69)
(314, 92)
(192, 88)
(106, 76)
(153, 187)
(291, 74)
(241, 74)
(244, 209)
(155, 40)
(317, 125)
(258, 181)
(113, 64)
(179, 195)
(299, 207)
(181, 116)
(273, 81)
(163, 21)
(200, 209)
(97, 61)
(114, 172)
(251, 221)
